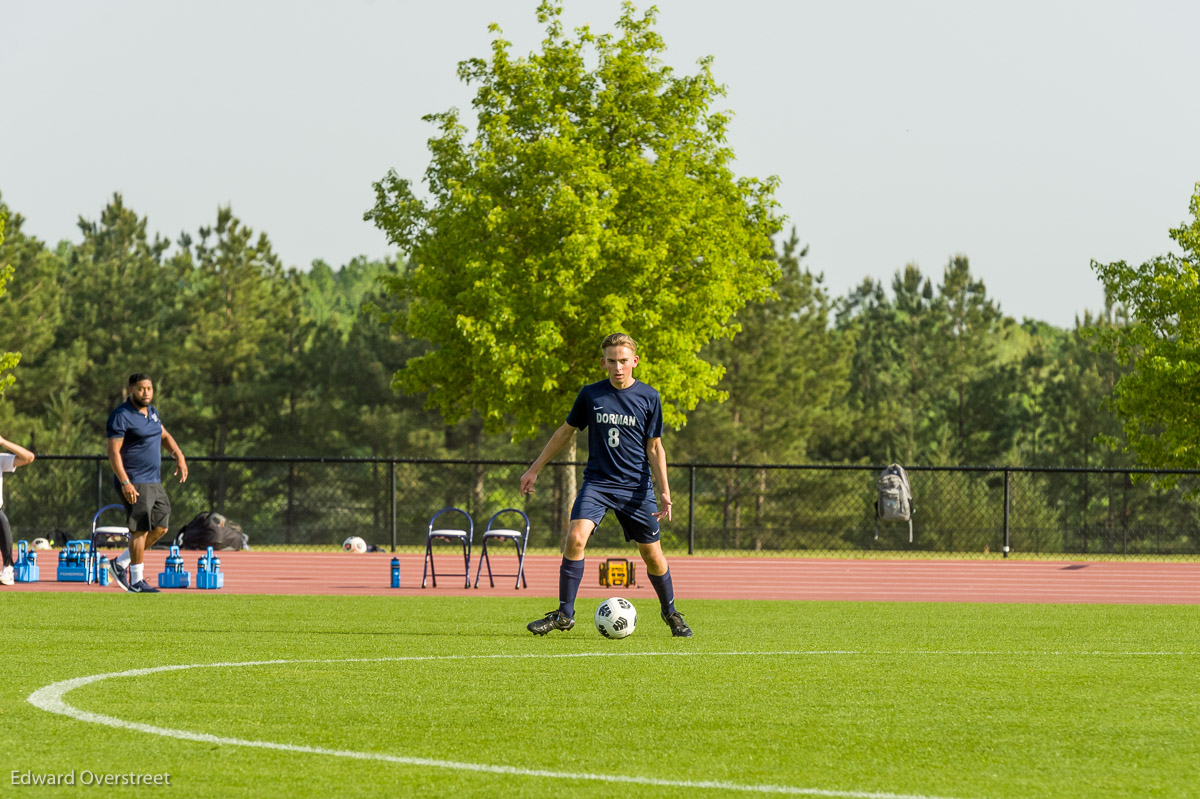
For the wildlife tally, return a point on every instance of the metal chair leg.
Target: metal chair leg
(520, 567)
(466, 566)
(428, 566)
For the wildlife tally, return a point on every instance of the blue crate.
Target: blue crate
(27, 570)
(174, 579)
(209, 574)
(75, 562)
(175, 576)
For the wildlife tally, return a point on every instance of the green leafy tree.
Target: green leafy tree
(241, 331)
(32, 316)
(1078, 382)
(969, 350)
(119, 297)
(8, 360)
(785, 376)
(936, 374)
(1156, 398)
(892, 370)
(591, 199)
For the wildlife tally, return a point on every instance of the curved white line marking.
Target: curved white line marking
(51, 699)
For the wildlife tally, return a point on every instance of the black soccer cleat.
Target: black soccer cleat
(554, 620)
(678, 626)
(143, 587)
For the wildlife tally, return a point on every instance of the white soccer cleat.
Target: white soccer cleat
(6, 576)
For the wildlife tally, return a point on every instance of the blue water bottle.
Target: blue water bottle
(102, 570)
(395, 572)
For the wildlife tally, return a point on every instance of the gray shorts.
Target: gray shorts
(152, 508)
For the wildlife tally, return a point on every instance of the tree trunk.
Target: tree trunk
(571, 489)
(289, 518)
(732, 512)
(759, 508)
(476, 449)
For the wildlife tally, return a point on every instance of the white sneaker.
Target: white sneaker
(6, 576)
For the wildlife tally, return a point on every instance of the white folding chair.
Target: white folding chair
(519, 537)
(449, 535)
(94, 547)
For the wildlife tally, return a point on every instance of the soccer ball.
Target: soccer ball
(354, 544)
(616, 617)
(41, 543)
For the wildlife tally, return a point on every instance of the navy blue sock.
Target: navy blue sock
(570, 575)
(666, 593)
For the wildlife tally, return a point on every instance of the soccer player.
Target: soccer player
(135, 440)
(624, 422)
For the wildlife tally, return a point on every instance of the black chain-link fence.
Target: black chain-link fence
(718, 508)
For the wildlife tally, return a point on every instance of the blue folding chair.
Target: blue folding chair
(106, 530)
(518, 537)
(449, 535)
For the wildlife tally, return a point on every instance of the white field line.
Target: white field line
(51, 698)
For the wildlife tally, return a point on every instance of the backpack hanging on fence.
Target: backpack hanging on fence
(211, 529)
(895, 498)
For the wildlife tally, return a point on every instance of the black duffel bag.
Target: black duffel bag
(211, 529)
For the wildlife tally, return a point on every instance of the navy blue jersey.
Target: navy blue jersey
(620, 422)
(141, 451)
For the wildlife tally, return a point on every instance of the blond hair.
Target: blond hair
(619, 340)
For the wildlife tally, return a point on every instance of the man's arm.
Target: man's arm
(128, 491)
(557, 441)
(24, 456)
(657, 456)
(181, 468)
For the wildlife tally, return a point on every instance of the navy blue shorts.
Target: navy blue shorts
(634, 509)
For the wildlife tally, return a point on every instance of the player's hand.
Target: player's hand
(130, 493)
(527, 481)
(664, 504)
(181, 468)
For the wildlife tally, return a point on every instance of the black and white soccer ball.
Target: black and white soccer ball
(616, 617)
(354, 544)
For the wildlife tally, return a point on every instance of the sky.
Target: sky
(1031, 136)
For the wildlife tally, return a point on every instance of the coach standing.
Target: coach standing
(135, 440)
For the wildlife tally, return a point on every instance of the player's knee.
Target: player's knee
(577, 539)
(656, 562)
(576, 542)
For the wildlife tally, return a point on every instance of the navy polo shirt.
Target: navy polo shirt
(141, 451)
(620, 423)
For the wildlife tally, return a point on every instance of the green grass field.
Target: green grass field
(824, 699)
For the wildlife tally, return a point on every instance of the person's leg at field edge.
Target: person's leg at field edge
(6, 572)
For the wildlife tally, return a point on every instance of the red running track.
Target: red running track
(340, 573)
